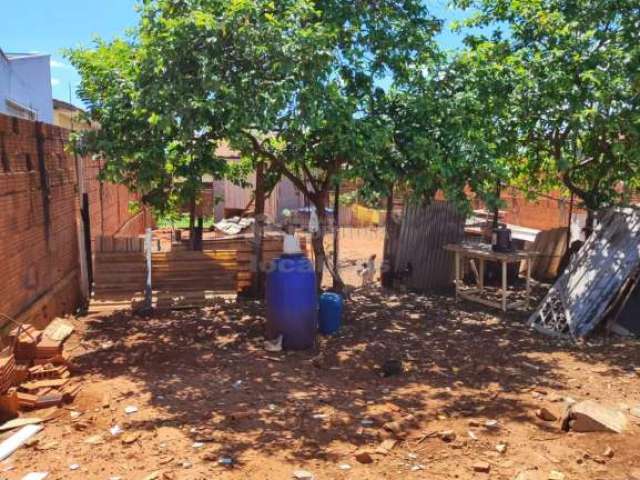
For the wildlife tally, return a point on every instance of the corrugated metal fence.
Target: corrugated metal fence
(425, 230)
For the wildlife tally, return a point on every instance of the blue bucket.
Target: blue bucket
(330, 317)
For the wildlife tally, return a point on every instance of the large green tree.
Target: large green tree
(295, 80)
(154, 139)
(574, 73)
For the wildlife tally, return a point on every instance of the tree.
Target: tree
(573, 67)
(296, 79)
(155, 140)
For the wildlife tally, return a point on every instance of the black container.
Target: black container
(501, 239)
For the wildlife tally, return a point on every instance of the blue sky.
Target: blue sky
(48, 26)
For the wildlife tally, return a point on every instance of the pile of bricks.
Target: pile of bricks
(35, 374)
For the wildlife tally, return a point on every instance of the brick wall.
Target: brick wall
(39, 212)
(543, 213)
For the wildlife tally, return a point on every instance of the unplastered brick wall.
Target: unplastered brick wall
(39, 215)
(110, 209)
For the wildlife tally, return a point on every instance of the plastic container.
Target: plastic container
(330, 315)
(292, 301)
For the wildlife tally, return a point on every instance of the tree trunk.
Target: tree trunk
(390, 244)
(317, 242)
(337, 282)
(258, 232)
(589, 224)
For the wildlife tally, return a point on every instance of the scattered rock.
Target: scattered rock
(526, 475)
(392, 367)
(608, 452)
(302, 475)
(363, 456)
(386, 446)
(591, 416)
(481, 467)
(546, 415)
(555, 475)
(635, 411)
(474, 423)
(491, 425)
(130, 437)
(344, 466)
(501, 447)
(130, 409)
(94, 440)
(448, 435)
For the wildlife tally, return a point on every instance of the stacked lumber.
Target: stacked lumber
(36, 375)
(7, 370)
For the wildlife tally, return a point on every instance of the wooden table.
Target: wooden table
(483, 252)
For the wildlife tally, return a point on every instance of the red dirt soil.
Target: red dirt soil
(205, 389)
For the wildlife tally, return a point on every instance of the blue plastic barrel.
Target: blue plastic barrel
(292, 301)
(330, 313)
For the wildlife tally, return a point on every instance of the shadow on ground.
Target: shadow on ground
(206, 371)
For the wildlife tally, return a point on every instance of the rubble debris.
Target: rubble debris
(274, 345)
(392, 367)
(130, 409)
(19, 422)
(18, 439)
(546, 415)
(448, 436)
(591, 416)
(501, 447)
(481, 467)
(58, 330)
(555, 475)
(363, 456)
(36, 368)
(491, 425)
(36, 476)
(302, 475)
(608, 452)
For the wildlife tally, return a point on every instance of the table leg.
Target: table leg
(457, 267)
(528, 295)
(481, 273)
(504, 286)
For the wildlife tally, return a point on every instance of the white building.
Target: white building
(25, 86)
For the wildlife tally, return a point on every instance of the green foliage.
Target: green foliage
(154, 140)
(571, 72)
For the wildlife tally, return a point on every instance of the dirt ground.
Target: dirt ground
(205, 391)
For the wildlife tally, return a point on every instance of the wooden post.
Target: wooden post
(496, 211)
(258, 230)
(527, 299)
(569, 222)
(390, 244)
(504, 285)
(457, 266)
(147, 288)
(336, 235)
(192, 222)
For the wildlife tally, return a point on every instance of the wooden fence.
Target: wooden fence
(224, 264)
